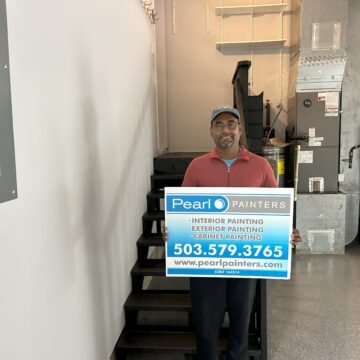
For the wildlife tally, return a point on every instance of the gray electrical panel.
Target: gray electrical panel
(316, 116)
(8, 190)
(318, 169)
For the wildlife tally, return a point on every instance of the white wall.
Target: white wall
(82, 77)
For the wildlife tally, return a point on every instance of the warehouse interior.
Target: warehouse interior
(98, 98)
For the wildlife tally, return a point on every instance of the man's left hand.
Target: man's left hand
(295, 237)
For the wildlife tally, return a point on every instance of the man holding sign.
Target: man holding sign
(228, 165)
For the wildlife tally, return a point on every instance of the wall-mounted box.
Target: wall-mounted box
(316, 115)
(8, 189)
(318, 169)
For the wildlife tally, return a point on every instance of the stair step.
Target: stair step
(153, 200)
(160, 181)
(171, 341)
(156, 194)
(164, 291)
(150, 267)
(157, 340)
(167, 176)
(145, 242)
(158, 302)
(150, 240)
(154, 215)
(148, 220)
(174, 163)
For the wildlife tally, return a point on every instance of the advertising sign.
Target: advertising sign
(228, 232)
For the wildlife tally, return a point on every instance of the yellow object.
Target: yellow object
(281, 166)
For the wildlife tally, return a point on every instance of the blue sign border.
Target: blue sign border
(229, 232)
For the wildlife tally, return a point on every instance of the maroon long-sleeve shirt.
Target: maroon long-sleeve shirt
(248, 170)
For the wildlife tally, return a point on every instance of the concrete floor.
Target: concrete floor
(315, 315)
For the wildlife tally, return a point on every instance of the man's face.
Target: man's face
(225, 131)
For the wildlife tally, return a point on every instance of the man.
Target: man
(227, 165)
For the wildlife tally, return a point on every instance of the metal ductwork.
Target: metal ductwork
(318, 43)
(325, 216)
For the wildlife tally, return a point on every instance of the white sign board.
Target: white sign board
(228, 232)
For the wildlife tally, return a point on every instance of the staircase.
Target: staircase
(157, 312)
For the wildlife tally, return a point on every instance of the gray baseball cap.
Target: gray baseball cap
(225, 109)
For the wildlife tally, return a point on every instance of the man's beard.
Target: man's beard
(226, 142)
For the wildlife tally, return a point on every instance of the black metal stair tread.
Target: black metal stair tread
(150, 240)
(158, 302)
(157, 340)
(151, 267)
(180, 155)
(173, 163)
(160, 181)
(160, 328)
(163, 291)
(156, 194)
(224, 330)
(167, 176)
(167, 341)
(154, 215)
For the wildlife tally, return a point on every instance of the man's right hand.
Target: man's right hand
(164, 233)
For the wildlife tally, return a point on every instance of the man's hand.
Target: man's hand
(295, 237)
(164, 233)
